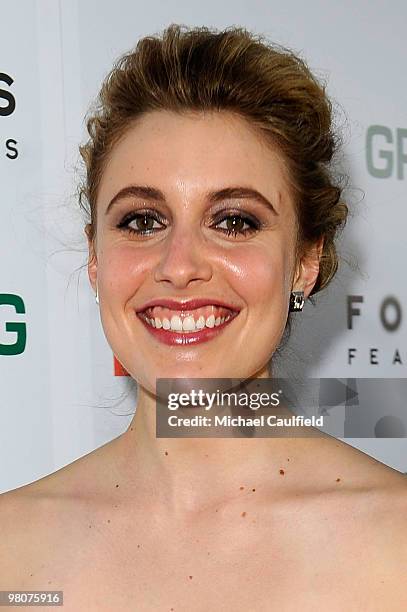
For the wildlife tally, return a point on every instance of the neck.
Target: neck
(188, 475)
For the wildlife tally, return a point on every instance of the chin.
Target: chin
(198, 371)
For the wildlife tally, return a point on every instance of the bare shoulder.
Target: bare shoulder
(361, 475)
(352, 532)
(375, 535)
(356, 493)
(365, 469)
(368, 502)
(55, 509)
(22, 512)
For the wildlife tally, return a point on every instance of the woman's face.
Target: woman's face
(194, 207)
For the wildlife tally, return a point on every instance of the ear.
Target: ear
(92, 261)
(307, 270)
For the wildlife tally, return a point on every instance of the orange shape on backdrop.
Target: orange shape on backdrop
(118, 368)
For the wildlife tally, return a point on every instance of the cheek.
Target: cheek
(122, 269)
(261, 272)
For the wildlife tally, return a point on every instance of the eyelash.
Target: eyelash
(254, 224)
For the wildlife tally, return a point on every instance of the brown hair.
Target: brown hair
(235, 70)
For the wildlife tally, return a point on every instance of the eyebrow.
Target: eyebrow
(153, 194)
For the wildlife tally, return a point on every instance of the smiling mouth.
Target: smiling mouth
(187, 321)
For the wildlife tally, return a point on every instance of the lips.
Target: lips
(186, 321)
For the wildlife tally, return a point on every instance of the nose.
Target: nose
(183, 260)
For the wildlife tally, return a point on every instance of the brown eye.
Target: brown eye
(144, 223)
(234, 224)
(237, 225)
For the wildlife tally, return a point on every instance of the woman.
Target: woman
(210, 199)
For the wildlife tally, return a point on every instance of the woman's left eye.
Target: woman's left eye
(235, 224)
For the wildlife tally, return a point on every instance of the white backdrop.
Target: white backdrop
(59, 396)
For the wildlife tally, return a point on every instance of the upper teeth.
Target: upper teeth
(188, 323)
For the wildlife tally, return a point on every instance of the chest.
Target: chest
(257, 570)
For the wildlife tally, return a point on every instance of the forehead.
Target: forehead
(193, 152)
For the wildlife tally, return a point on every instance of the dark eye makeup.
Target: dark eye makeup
(235, 222)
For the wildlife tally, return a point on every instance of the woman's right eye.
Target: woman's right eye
(142, 223)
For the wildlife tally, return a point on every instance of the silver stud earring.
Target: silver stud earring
(96, 296)
(296, 301)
